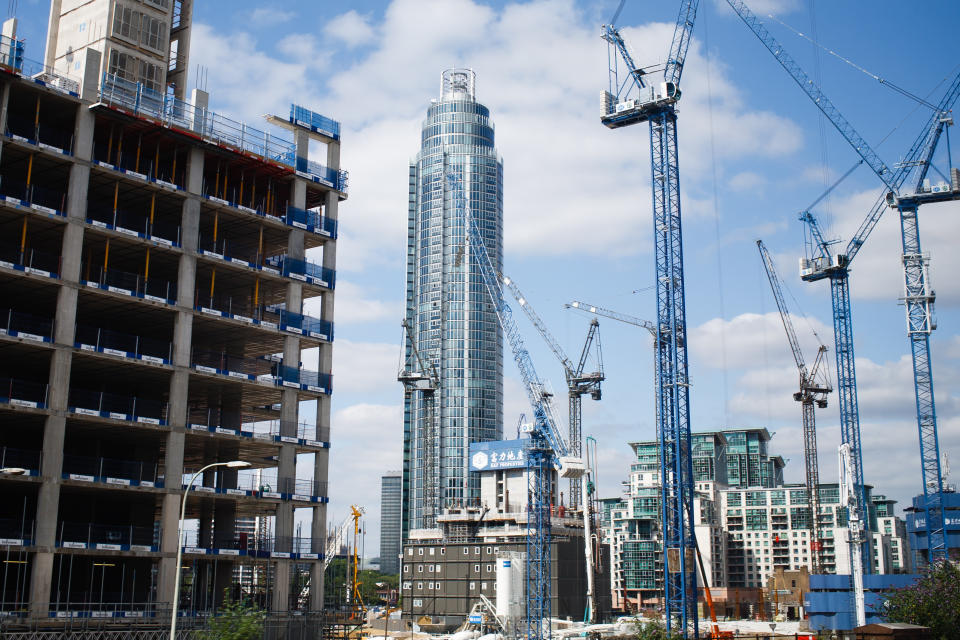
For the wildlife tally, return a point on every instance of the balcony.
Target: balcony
(134, 224)
(23, 393)
(24, 459)
(132, 284)
(124, 345)
(306, 434)
(25, 326)
(29, 260)
(40, 199)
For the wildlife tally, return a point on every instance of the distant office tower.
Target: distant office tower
(145, 41)
(390, 497)
(453, 323)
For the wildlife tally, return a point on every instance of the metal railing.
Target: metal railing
(267, 429)
(136, 222)
(310, 220)
(130, 345)
(134, 283)
(210, 125)
(46, 197)
(102, 468)
(309, 325)
(321, 124)
(19, 458)
(23, 392)
(310, 271)
(93, 534)
(26, 324)
(30, 258)
(38, 132)
(225, 363)
(121, 407)
(253, 544)
(305, 377)
(12, 529)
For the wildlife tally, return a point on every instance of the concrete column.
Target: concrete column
(179, 381)
(54, 431)
(4, 103)
(224, 529)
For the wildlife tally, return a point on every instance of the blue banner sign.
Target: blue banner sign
(498, 454)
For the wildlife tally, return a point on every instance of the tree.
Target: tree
(235, 621)
(654, 630)
(933, 601)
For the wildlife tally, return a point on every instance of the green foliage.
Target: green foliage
(368, 578)
(235, 621)
(653, 630)
(934, 601)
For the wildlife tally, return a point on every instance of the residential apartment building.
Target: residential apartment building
(748, 523)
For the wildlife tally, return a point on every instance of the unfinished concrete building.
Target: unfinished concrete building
(168, 278)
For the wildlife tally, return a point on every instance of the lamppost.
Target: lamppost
(233, 464)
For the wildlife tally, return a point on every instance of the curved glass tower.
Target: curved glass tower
(452, 320)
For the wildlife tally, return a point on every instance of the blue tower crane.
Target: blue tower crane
(655, 104)
(822, 263)
(547, 448)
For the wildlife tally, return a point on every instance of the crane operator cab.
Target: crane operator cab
(651, 98)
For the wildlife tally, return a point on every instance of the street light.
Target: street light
(233, 464)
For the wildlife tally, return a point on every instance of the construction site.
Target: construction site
(166, 397)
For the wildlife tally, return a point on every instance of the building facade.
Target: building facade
(140, 41)
(748, 523)
(390, 541)
(164, 285)
(917, 528)
(445, 570)
(449, 314)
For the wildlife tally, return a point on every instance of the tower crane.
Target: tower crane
(814, 388)
(547, 448)
(416, 375)
(578, 382)
(627, 319)
(655, 104)
(821, 263)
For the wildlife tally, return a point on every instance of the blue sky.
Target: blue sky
(577, 201)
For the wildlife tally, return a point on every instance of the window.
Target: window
(473, 585)
(438, 568)
(489, 550)
(443, 551)
(126, 22)
(409, 551)
(483, 586)
(476, 551)
(466, 551)
(406, 568)
(430, 568)
(431, 550)
(419, 568)
(420, 551)
(489, 568)
(476, 568)
(420, 586)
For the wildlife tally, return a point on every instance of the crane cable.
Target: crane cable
(716, 227)
(853, 64)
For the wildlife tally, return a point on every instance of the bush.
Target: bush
(235, 621)
(654, 630)
(934, 601)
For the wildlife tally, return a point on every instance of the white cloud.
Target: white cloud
(746, 181)
(361, 367)
(269, 16)
(753, 339)
(351, 28)
(548, 128)
(356, 304)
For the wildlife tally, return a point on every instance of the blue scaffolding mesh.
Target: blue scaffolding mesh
(314, 121)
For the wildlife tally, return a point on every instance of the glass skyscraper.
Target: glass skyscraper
(448, 308)
(390, 543)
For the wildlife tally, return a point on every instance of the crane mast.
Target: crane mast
(578, 382)
(425, 379)
(918, 298)
(655, 104)
(546, 448)
(813, 390)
